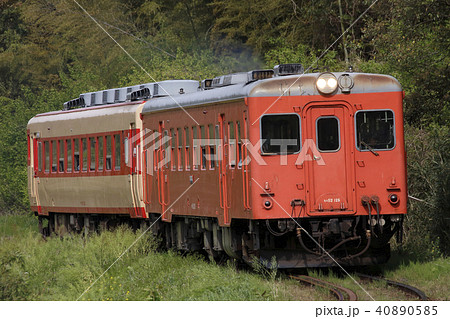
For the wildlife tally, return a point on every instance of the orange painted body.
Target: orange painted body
(347, 174)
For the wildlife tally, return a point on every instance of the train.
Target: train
(278, 166)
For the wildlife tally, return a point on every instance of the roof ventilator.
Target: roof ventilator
(73, 104)
(206, 84)
(141, 94)
(229, 79)
(256, 75)
(288, 69)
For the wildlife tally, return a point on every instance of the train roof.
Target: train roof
(89, 120)
(290, 85)
(284, 79)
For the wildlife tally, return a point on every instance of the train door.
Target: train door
(34, 160)
(329, 174)
(136, 169)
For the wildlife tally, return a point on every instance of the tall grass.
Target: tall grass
(62, 269)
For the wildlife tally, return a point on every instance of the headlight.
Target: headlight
(326, 83)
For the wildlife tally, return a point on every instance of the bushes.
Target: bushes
(427, 224)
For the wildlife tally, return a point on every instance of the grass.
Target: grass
(62, 269)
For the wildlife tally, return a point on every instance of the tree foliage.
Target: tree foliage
(52, 50)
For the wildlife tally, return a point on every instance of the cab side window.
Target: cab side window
(280, 134)
(375, 130)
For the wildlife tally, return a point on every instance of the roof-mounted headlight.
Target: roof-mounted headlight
(326, 83)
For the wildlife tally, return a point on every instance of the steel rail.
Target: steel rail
(404, 287)
(338, 291)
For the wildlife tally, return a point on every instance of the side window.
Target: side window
(84, 162)
(108, 153)
(187, 141)
(76, 155)
(117, 151)
(327, 132)
(92, 153)
(203, 146)
(100, 153)
(173, 142)
(239, 143)
(69, 155)
(61, 156)
(54, 156)
(47, 156)
(180, 148)
(40, 156)
(195, 149)
(166, 147)
(156, 145)
(217, 132)
(126, 149)
(375, 130)
(280, 134)
(212, 146)
(232, 145)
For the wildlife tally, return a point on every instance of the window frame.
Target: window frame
(40, 156)
(180, 149)
(92, 157)
(299, 130)
(173, 150)
(187, 143)
(196, 151)
(117, 155)
(61, 156)
(99, 150)
(339, 133)
(84, 154)
(60, 149)
(53, 156)
(203, 148)
(108, 154)
(232, 145)
(75, 142)
(211, 147)
(239, 145)
(68, 153)
(394, 132)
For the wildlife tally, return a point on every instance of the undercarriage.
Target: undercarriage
(290, 243)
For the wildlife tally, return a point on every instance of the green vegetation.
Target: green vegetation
(63, 269)
(51, 51)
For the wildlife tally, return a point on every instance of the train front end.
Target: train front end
(328, 172)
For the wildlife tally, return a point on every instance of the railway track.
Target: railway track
(341, 293)
(345, 294)
(410, 290)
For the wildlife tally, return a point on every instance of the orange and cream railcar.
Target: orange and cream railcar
(307, 168)
(83, 161)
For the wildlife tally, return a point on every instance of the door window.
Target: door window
(327, 132)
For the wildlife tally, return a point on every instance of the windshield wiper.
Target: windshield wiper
(369, 148)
